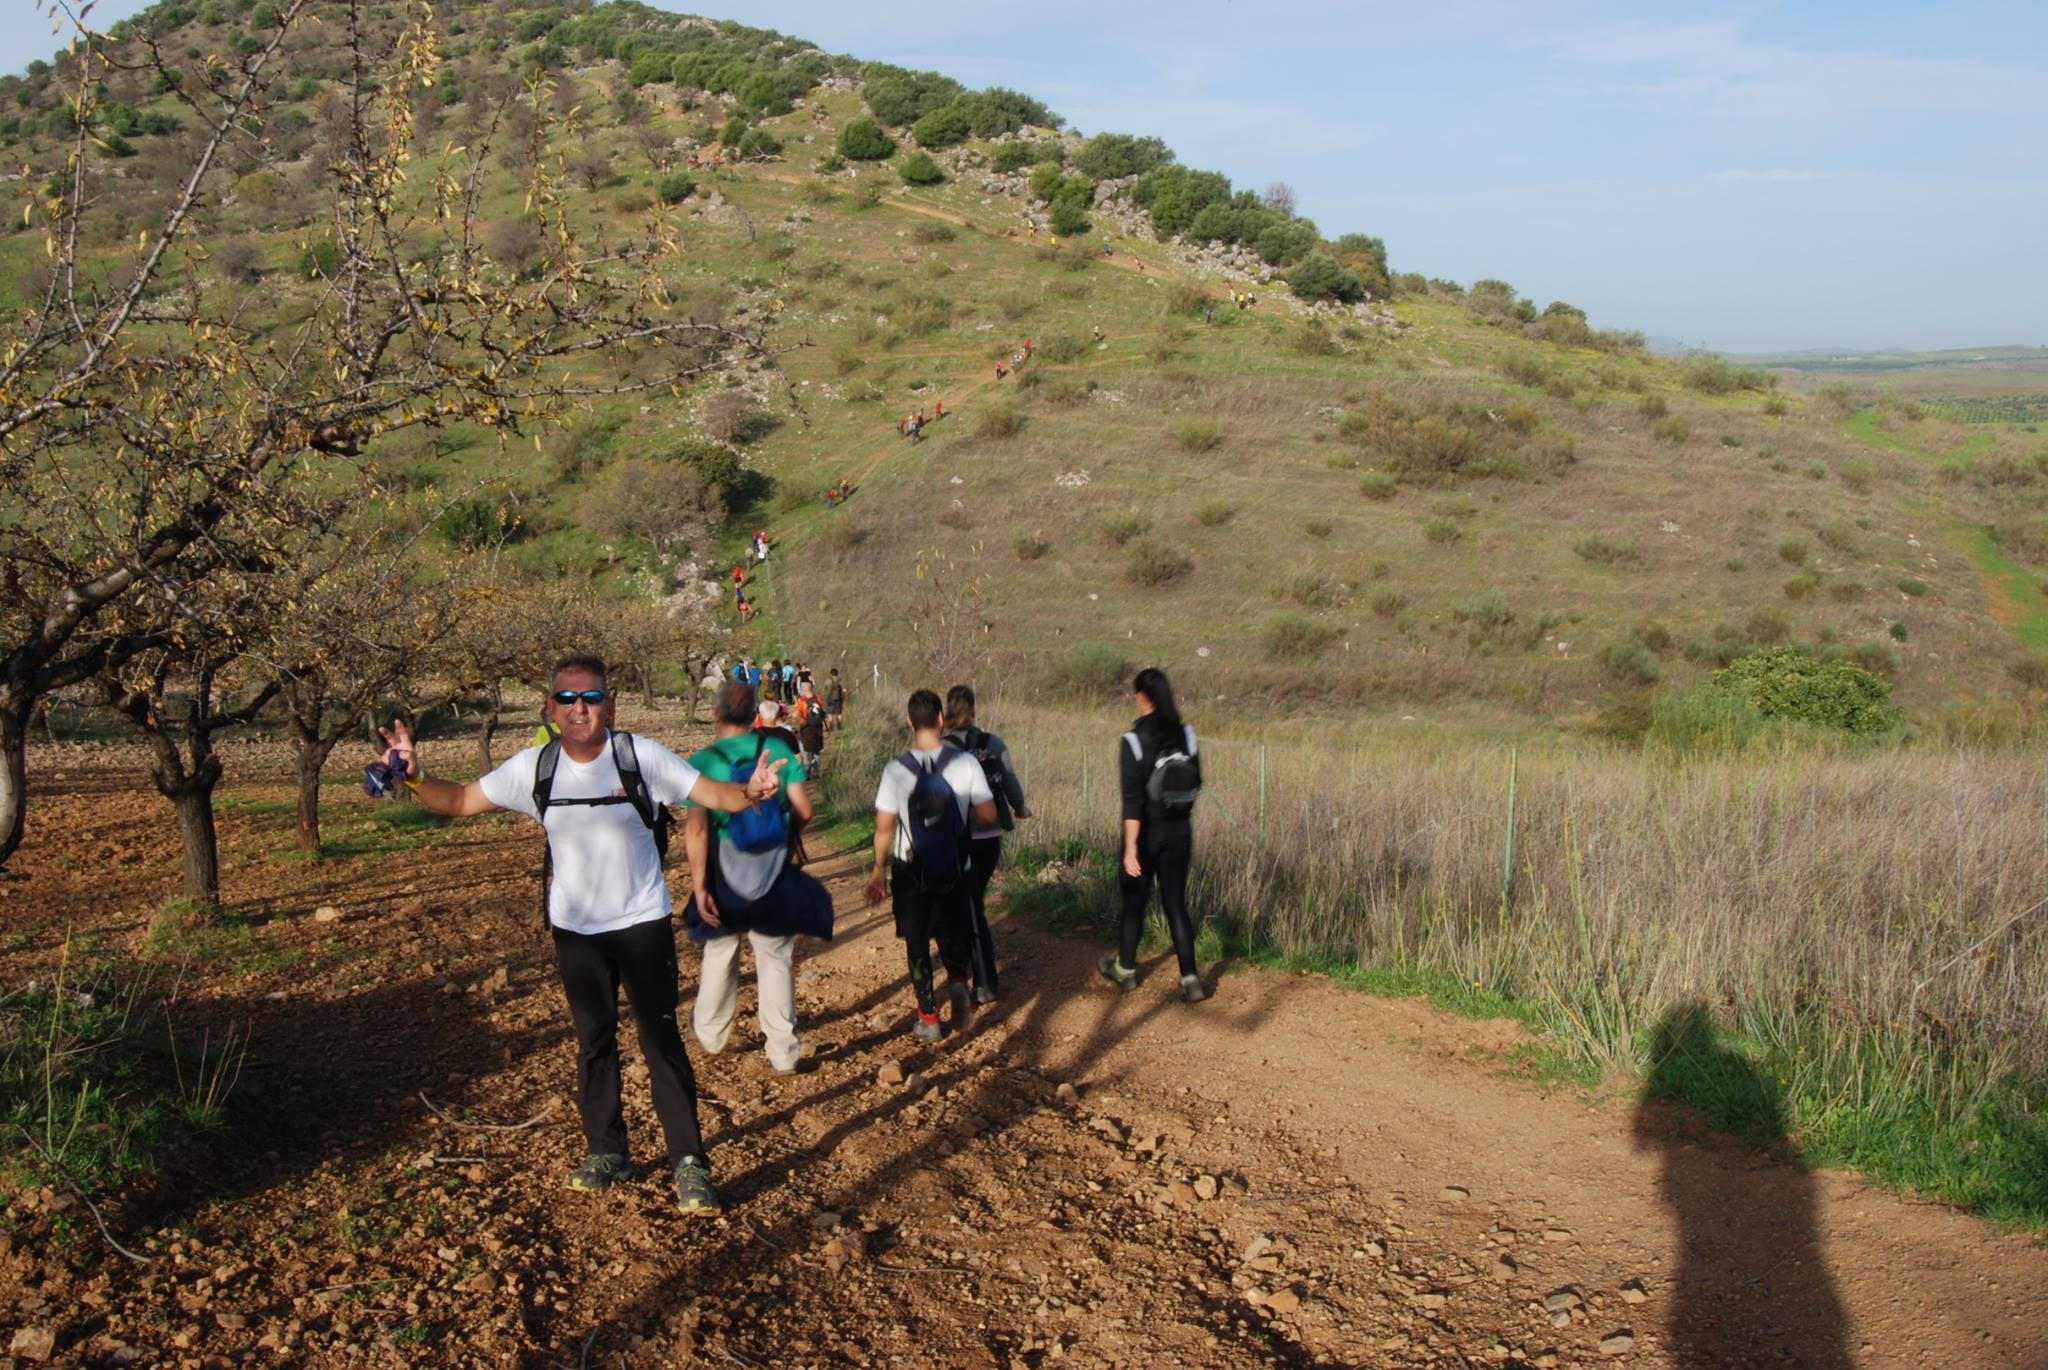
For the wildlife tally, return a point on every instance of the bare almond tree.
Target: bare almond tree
(145, 405)
(1279, 196)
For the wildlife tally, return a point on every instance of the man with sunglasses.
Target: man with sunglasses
(608, 906)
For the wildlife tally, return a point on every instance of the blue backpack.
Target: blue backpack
(938, 830)
(761, 827)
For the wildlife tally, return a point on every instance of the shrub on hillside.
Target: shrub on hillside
(1441, 530)
(585, 445)
(1119, 529)
(1607, 551)
(1631, 662)
(1214, 512)
(1060, 348)
(1319, 276)
(1155, 564)
(1388, 603)
(1713, 375)
(1198, 435)
(1030, 546)
(1092, 671)
(1787, 683)
(1120, 154)
(862, 140)
(1291, 636)
(1069, 217)
(1378, 485)
(1425, 440)
(1013, 156)
(999, 420)
(1317, 528)
(944, 127)
(758, 142)
(919, 169)
(1668, 430)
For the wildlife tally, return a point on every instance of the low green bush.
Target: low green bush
(1198, 435)
(1295, 635)
(1155, 564)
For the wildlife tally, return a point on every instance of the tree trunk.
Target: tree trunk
(488, 730)
(311, 756)
(202, 845)
(647, 685)
(13, 775)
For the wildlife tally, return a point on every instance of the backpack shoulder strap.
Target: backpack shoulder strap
(1188, 730)
(1137, 747)
(630, 779)
(544, 776)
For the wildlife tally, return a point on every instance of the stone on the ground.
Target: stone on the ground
(825, 1220)
(891, 1073)
(1205, 1187)
(1066, 1093)
(1561, 1298)
(1557, 1234)
(327, 913)
(1283, 1301)
(1504, 1267)
(1430, 1299)
(1180, 1193)
(1634, 1292)
(1454, 1192)
(1617, 1342)
(33, 1343)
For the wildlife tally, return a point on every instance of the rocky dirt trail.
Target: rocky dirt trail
(1290, 1174)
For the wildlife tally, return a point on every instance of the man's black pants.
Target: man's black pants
(921, 917)
(643, 957)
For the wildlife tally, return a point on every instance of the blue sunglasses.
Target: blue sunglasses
(568, 697)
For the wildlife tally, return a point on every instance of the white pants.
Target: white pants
(718, 993)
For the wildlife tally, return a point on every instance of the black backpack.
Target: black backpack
(975, 743)
(655, 816)
(1174, 782)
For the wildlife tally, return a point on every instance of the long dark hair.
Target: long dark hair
(1153, 684)
(959, 708)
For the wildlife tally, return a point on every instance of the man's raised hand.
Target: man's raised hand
(398, 738)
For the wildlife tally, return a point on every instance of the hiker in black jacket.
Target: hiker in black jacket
(985, 841)
(1161, 774)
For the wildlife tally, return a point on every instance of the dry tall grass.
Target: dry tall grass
(1887, 895)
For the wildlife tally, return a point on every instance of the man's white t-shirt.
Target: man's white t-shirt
(607, 872)
(963, 773)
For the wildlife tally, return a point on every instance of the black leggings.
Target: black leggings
(1164, 853)
(592, 965)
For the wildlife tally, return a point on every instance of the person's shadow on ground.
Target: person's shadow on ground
(1752, 1286)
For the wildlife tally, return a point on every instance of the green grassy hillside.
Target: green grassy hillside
(1435, 503)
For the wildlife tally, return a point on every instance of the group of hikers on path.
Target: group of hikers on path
(942, 806)
(912, 425)
(1017, 360)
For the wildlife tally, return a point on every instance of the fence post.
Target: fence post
(1507, 860)
(1262, 793)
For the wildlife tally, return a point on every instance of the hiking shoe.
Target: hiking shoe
(927, 1029)
(694, 1193)
(600, 1170)
(963, 1002)
(1122, 976)
(984, 995)
(1192, 990)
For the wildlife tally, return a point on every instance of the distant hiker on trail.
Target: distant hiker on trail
(754, 675)
(938, 410)
(1000, 372)
(903, 426)
(1161, 773)
(599, 795)
(928, 800)
(788, 681)
(984, 841)
(768, 720)
(835, 700)
(741, 881)
(811, 736)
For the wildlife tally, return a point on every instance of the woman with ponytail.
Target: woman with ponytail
(1160, 770)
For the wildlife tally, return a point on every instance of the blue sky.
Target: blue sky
(1753, 177)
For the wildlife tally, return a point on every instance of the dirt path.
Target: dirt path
(1290, 1174)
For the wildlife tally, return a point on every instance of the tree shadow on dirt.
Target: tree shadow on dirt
(984, 1096)
(330, 1078)
(1752, 1283)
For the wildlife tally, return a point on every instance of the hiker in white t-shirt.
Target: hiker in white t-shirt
(929, 800)
(601, 798)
